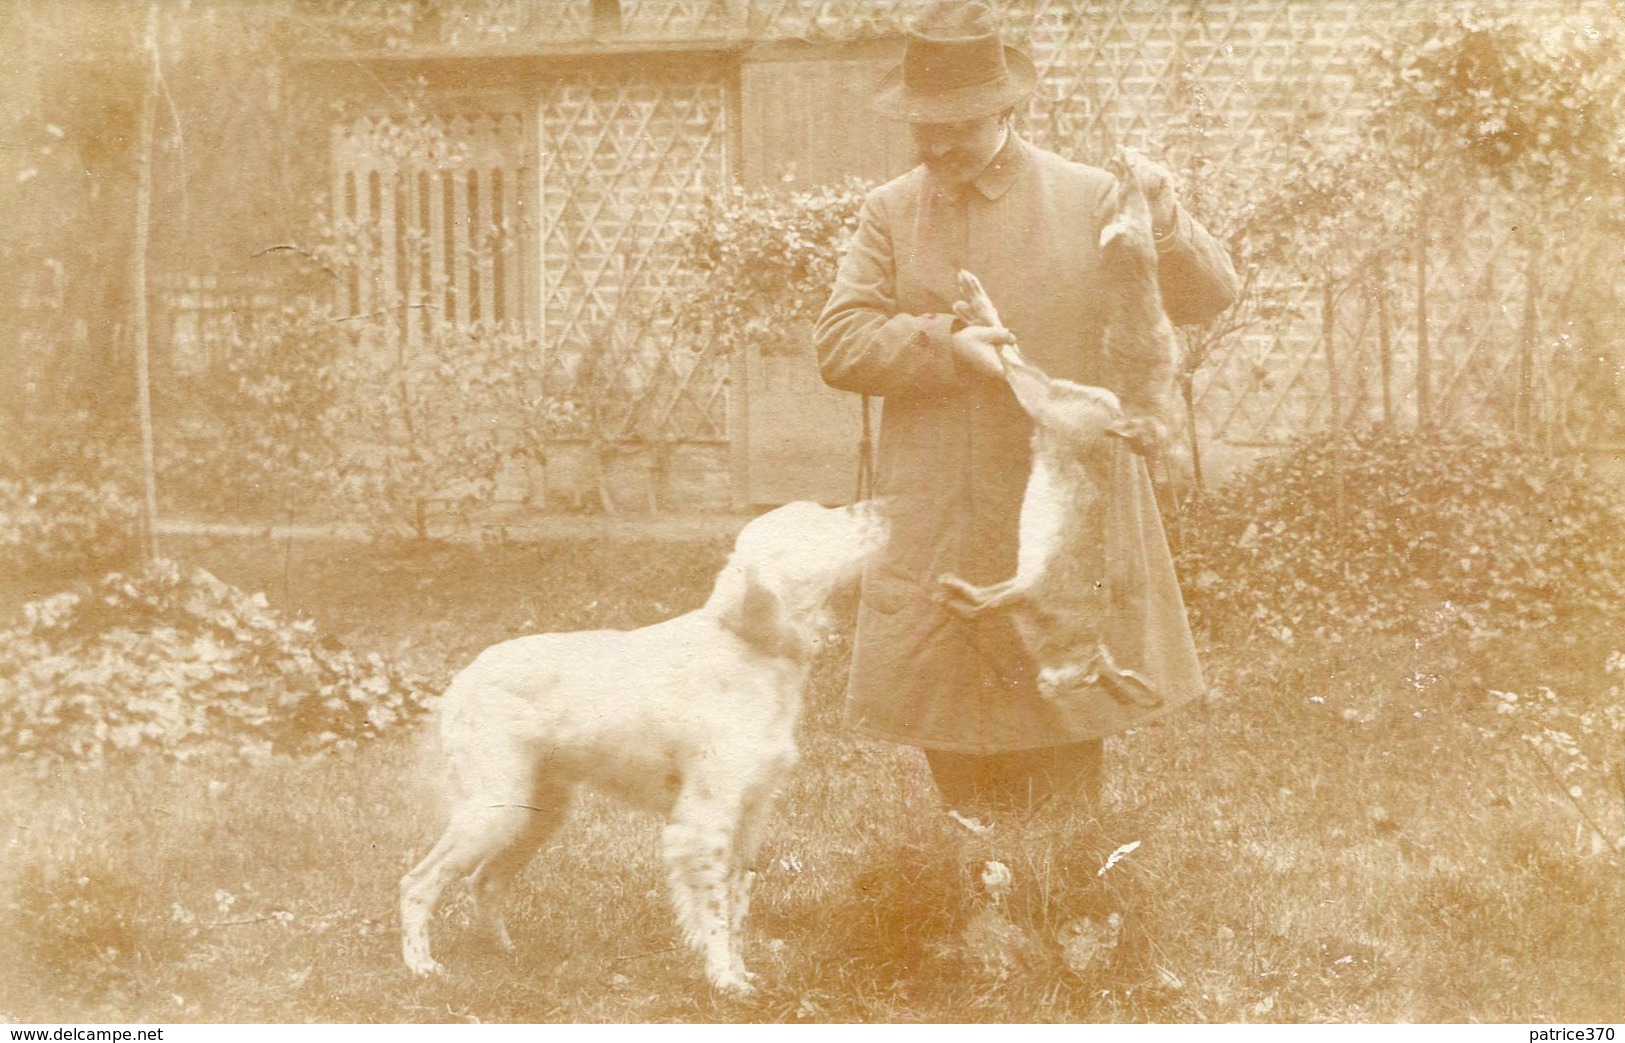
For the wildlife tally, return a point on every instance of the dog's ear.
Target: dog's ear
(760, 620)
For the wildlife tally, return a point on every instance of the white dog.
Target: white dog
(693, 718)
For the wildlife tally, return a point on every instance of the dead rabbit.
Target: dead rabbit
(1060, 597)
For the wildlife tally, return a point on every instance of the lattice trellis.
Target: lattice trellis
(565, 21)
(622, 155)
(1493, 367)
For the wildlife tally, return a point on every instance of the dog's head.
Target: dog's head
(801, 553)
(1078, 414)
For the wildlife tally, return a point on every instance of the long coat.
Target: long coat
(954, 448)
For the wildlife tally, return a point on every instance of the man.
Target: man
(954, 444)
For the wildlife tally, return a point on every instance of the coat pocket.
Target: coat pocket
(887, 588)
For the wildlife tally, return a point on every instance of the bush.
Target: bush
(1342, 537)
(759, 265)
(331, 417)
(254, 434)
(437, 423)
(66, 514)
(176, 662)
(66, 527)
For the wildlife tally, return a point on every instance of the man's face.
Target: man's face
(957, 152)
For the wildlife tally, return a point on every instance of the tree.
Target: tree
(1533, 113)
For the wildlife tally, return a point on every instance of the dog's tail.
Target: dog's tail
(759, 619)
(427, 775)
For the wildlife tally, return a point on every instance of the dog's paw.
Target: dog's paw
(738, 984)
(426, 968)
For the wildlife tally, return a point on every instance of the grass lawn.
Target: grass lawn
(1339, 834)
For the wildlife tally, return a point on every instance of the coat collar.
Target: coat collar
(1001, 173)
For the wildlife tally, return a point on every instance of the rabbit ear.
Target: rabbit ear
(1030, 384)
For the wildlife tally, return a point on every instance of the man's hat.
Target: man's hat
(954, 68)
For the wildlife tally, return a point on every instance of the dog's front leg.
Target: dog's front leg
(969, 601)
(700, 850)
(739, 881)
(754, 818)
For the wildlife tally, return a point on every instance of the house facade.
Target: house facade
(525, 163)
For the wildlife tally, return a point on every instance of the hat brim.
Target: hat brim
(894, 100)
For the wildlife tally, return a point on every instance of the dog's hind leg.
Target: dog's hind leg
(421, 889)
(487, 841)
(495, 875)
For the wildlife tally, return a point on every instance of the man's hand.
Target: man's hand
(976, 348)
(1158, 185)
